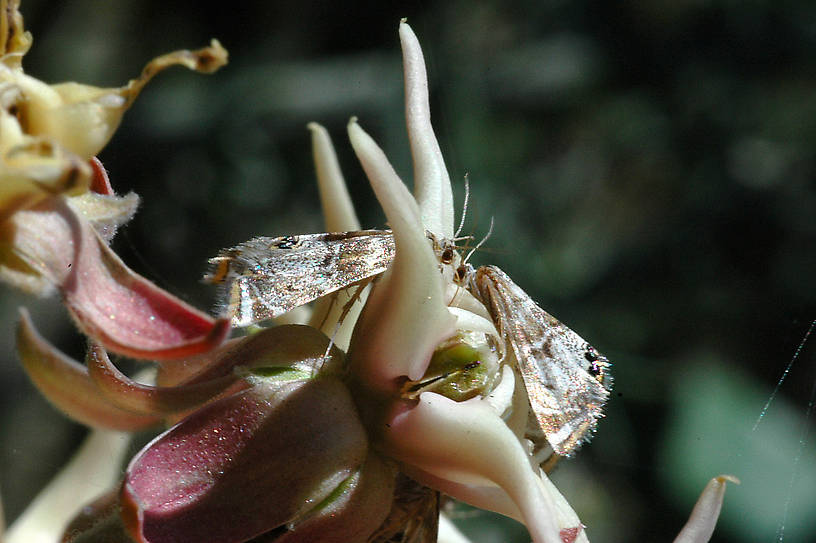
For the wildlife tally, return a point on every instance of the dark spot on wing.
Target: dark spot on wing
(546, 348)
(594, 369)
(286, 242)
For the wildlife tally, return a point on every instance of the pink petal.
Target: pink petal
(67, 385)
(280, 346)
(244, 465)
(118, 308)
(123, 392)
(182, 370)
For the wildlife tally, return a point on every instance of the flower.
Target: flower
(282, 436)
(58, 211)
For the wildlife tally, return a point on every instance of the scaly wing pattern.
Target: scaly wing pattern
(266, 277)
(567, 380)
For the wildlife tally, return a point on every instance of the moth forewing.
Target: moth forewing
(266, 277)
(566, 378)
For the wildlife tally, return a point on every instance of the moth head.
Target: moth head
(597, 365)
(446, 254)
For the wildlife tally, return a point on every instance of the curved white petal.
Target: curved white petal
(467, 443)
(406, 316)
(339, 216)
(706, 511)
(431, 181)
(338, 210)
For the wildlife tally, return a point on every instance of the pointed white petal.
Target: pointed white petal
(431, 180)
(706, 511)
(339, 216)
(338, 211)
(406, 316)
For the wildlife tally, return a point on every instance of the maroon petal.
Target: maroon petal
(100, 183)
(353, 516)
(244, 465)
(126, 393)
(68, 386)
(280, 346)
(193, 368)
(120, 309)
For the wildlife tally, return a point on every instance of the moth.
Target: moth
(414, 515)
(567, 380)
(266, 277)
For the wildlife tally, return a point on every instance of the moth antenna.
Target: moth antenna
(482, 242)
(464, 206)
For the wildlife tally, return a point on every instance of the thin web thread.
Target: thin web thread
(780, 531)
(784, 375)
(803, 436)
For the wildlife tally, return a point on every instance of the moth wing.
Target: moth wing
(414, 516)
(264, 277)
(566, 379)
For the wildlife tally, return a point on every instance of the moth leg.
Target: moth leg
(354, 298)
(549, 464)
(358, 291)
(327, 312)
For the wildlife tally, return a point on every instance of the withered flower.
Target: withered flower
(58, 211)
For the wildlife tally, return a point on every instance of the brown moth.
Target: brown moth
(567, 380)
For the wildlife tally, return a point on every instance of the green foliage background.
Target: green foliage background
(649, 166)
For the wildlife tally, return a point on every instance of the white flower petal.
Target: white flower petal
(467, 443)
(406, 316)
(338, 210)
(706, 511)
(339, 216)
(431, 181)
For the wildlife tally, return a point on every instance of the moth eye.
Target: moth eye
(447, 256)
(286, 242)
(459, 276)
(591, 355)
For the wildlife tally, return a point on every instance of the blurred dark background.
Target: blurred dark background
(649, 166)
